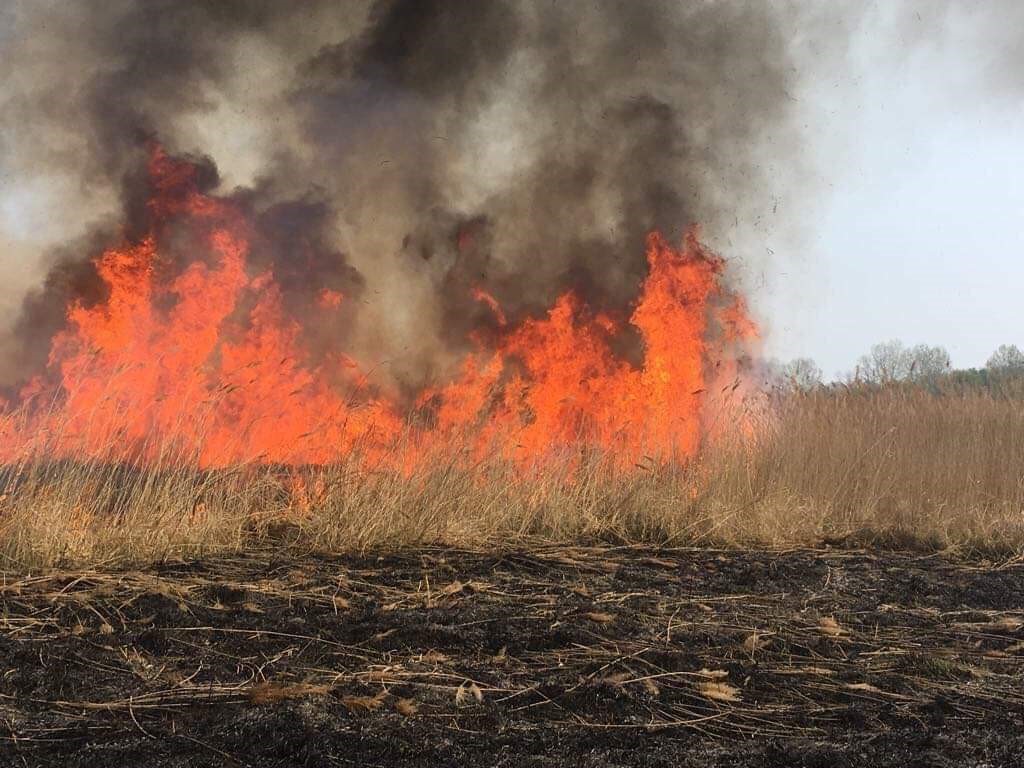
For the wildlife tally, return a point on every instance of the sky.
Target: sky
(910, 225)
(918, 233)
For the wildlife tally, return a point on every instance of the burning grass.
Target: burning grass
(895, 466)
(193, 348)
(186, 409)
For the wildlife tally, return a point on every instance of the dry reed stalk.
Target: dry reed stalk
(893, 465)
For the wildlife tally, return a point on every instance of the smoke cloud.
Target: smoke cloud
(402, 152)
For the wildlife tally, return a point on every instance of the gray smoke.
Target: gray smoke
(404, 151)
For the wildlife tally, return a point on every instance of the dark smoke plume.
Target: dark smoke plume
(406, 151)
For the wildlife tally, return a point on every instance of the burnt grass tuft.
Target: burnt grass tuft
(585, 655)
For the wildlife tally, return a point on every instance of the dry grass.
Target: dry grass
(943, 470)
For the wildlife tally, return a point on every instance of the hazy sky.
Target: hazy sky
(913, 227)
(919, 234)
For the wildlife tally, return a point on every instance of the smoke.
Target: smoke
(403, 152)
(991, 35)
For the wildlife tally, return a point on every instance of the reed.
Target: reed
(901, 466)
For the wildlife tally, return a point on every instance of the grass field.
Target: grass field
(900, 466)
(837, 583)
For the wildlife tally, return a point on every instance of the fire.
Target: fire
(329, 299)
(492, 304)
(562, 385)
(204, 365)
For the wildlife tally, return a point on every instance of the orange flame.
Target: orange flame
(492, 304)
(205, 366)
(329, 299)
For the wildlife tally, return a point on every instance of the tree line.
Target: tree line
(892, 362)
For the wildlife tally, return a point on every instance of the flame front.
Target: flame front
(204, 365)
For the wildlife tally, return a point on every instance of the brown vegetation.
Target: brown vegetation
(899, 465)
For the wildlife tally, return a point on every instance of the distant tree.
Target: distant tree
(886, 362)
(1006, 359)
(801, 373)
(891, 361)
(970, 378)
(928, 363)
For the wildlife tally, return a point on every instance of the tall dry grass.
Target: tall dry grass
(893, 465)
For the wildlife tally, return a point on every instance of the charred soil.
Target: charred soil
(587, 655)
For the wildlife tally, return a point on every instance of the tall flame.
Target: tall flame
(205, 365)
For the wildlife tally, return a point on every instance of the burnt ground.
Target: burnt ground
(598, 656)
